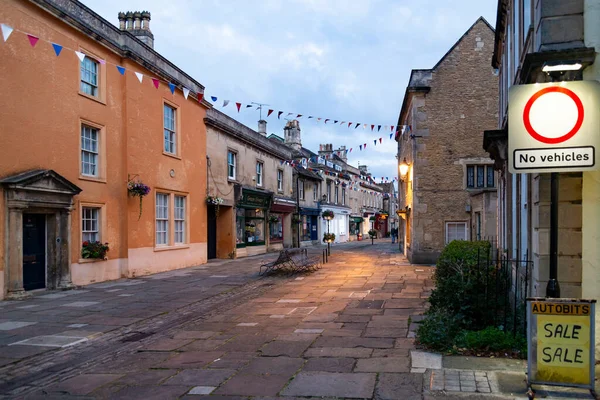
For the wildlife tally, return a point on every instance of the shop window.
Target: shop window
(250, 227)
(305, 227)
(276, 229)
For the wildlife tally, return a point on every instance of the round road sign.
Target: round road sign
(558, 120)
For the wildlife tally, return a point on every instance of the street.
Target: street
(343, 331)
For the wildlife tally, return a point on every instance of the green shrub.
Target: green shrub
(460, 277)
(438, 330)
(492, 339)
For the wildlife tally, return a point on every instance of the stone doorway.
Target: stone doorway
(38, 231)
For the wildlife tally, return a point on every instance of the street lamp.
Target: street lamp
(403, 167)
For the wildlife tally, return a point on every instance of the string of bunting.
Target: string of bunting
(7, 31)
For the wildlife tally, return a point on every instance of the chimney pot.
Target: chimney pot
(262, 127)
(138, 24)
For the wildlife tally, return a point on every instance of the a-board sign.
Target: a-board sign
(561, 341)
(554, 127)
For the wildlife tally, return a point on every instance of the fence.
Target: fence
(506, 287)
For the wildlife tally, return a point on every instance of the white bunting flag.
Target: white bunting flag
(186, 92)
(140, 76)
(225, 102)
(6, 31)
(364, 126)
(80, 55)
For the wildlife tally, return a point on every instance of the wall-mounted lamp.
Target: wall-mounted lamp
(403, 212)
(403, 168)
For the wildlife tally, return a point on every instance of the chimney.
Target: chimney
(325, 150)
(341, 153)
(138, 24)
(262, 127)
(291, 134)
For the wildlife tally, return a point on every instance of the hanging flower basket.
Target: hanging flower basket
(273, 219)
(94, 250)
(214, 201)
(137, 189)
(328, 237)
(296, 219)
(327, 214)
(373, 233)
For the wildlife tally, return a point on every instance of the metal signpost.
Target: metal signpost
(560, 343)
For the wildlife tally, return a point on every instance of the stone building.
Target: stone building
(75, 131)
(529, 35)
(449, 191)
(252, 176)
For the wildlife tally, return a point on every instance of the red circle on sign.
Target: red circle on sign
(559, 139)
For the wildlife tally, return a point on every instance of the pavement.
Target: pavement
(220, 331)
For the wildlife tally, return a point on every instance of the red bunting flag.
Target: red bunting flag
(32, 40)
(365, 145)
(269, 112)
(350, 150)
(349, 123)
(200, 97)
(372, 127)
(155, 82)
(380, 140)
(238, 105)
(392, 128)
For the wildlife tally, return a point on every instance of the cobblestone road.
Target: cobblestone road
(220, 331)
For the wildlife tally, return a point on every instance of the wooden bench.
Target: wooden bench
(292, 261)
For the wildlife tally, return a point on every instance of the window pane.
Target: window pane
(179, 219)
(470, 176)
(89, 76)
(89, 150)
(90, 224)
(480, 176)
(162, 218)
(490, 176)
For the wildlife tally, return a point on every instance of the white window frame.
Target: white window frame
(169, 130)
(179, 213)
(280, 180)
(232, 164)
(301, 189)
(162, 219)
(456, 224)
(90, 156)
(260, 167)
(343, 196)
(336, 195)
(315, 192)
(87, 75)
(89, 215)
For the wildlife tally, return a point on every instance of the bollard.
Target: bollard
(328, 249)
(323, 256)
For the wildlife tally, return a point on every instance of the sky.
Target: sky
(346, 60)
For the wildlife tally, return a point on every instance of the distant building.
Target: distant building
(449, 192)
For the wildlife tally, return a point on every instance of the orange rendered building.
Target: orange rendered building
(74, 131)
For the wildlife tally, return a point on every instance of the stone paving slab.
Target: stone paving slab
(344, 385)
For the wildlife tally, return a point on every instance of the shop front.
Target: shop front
(280, 223)
(251, 222)
(355, 228)
(339, 224)
(309, 226)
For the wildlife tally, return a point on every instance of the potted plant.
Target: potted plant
(273, 219)
(328, 215)
(137, 189)
(94, 250)
(328, 237)
(373, 233)
(214, 201)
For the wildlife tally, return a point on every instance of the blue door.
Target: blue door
(313, 228)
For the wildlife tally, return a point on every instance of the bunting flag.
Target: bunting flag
(155, 82)
(172, 87)
(372, 127)
(364, 126)
(200, 97)
(33, 40)
(365, 146)
(269, 112)
(57, 48)
(225, 103)
(299, 116)
(391, 134)
(349, 123)
(248, 105)
(103, 62)
(80, 55)
(238, 105)
(6, 31)
(213, 98)
(186, 92)
(357, 125)
(310, 116)
(375, 142)
(360, 147)
(121, 70)
(379, 140)
(279, 114)
(139, 76)
(342, 123)
(350, 150)
(326, 120)
(319, 119)
(288, 114)
(378, 128)
(392, 128)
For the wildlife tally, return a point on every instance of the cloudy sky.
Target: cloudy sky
(347, 60)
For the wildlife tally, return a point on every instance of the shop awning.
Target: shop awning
(283, 208)
(309, 211)
(358, 220)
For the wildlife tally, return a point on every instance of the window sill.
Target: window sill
(92, 179)
(230, 180)
(175, 247)
(175, 156)
(91, 260)
(94, 98)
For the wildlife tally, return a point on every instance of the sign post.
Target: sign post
(560, 343)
